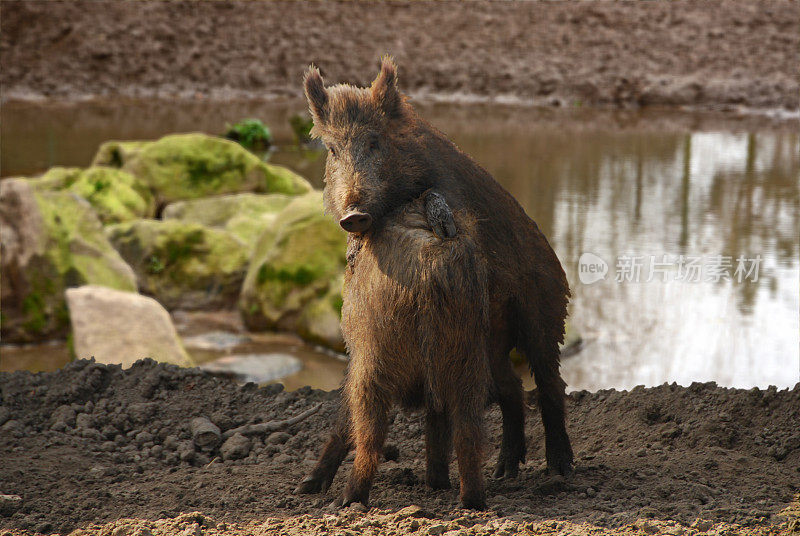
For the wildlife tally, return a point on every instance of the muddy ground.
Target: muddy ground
(700, 54)
(90, 445)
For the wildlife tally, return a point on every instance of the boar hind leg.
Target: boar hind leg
(438, 445)
(508, 388)
(551, 389)
(334, 452)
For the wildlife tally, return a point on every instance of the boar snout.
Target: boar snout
(356, 222)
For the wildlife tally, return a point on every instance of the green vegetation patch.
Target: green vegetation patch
(182, 264)
(250, 133)
(191, 166)
(115, 195)
(294, 279)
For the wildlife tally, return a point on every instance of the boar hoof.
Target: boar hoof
(311, 484)
(508, 461)
(438, 481)
(506, 469)
(474, 501)
(355, 496)
(560, 464)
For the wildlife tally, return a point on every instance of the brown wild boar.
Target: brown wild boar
(433, 305)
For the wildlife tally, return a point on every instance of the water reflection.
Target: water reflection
(609, 183)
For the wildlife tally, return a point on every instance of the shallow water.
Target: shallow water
(626, 187)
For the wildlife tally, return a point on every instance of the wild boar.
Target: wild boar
(432, 307)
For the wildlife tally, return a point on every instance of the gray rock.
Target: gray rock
(50, 240)
(257, 368)
(9, 504)
(216, 340)
(283, 459)
(13, 428)
(5, 414)
(84, 420)
(65, 415)
(119, 327)
(278, 438)
(186, 451)
(170, 442)
(437, 530)
(141, 412)
(205, 434)
(143, 437)
(235, 447)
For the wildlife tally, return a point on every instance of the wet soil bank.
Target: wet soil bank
(701, 54)
(91, 444)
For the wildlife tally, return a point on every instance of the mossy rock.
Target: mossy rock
(294, 280)
(191, 166)
(116, 153)
(183, 265)
(52, 240)
(246, 215)
(116, 195)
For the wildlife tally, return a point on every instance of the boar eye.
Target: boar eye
(373, 144)
(332, 149)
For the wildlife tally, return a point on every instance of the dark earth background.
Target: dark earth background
(704, 54)
(92, 444)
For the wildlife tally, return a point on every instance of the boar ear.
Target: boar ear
(384, 88)
(316, 94)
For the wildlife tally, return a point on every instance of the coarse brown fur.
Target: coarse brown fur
(427, 320)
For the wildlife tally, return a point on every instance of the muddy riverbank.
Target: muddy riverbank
(700, 54)
(91, 444)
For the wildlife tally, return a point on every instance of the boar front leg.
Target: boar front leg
(438, 446)
(469, 439)
(370, 415)
(334, 452)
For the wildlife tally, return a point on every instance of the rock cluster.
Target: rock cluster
(195, 221)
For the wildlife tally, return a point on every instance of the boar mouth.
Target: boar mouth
(356, 221)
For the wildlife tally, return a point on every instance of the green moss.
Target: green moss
(182, 264)
(78, 247)
(337, 302)
(294, 278)
(245, 215)
(33, 306)
(301, 127)
(114, 194)
(74, 252)
(299, 275)
(155, 265)
(250, 133)
(116, 153)
(191, 166)
(71, 346)
(56, 178)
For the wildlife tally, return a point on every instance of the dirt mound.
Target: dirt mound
(95, 444)
(706, 54)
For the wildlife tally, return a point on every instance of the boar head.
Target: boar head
(372, 165)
